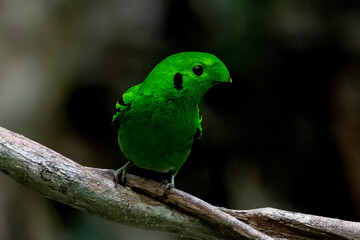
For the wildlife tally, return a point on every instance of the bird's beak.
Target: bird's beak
(230, 79)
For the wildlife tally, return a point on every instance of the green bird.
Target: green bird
(158, 119)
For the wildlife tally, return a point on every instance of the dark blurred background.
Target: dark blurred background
(285, 134)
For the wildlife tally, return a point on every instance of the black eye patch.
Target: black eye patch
(121, 101)
(178, 80)
(198, 70)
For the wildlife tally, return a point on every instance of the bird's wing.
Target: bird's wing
(198, 133)
(123, 104)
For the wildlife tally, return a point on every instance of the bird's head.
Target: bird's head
(187, 75)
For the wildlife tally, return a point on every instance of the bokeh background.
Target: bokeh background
(285, 134)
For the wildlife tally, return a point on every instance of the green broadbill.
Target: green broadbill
(158, 119)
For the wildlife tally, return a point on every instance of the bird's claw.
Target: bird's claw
(165, 182)
(117, 173)
(121, 171)
(168, 187)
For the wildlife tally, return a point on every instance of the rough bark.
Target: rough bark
(281, 224)
(144, 204)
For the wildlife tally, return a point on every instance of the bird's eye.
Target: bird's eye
(198, 70)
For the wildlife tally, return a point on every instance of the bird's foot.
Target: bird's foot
(122, 173)
(168, 185)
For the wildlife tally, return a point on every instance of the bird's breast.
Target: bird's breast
(163, 134)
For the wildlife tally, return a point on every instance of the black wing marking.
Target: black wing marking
(120, 108)
(198, 132)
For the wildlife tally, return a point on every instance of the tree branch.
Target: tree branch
(145, 206)
(291, 225)
(229, 225)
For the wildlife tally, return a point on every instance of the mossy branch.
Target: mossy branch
(143, 204)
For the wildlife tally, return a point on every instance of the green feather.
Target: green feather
(158, 119)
